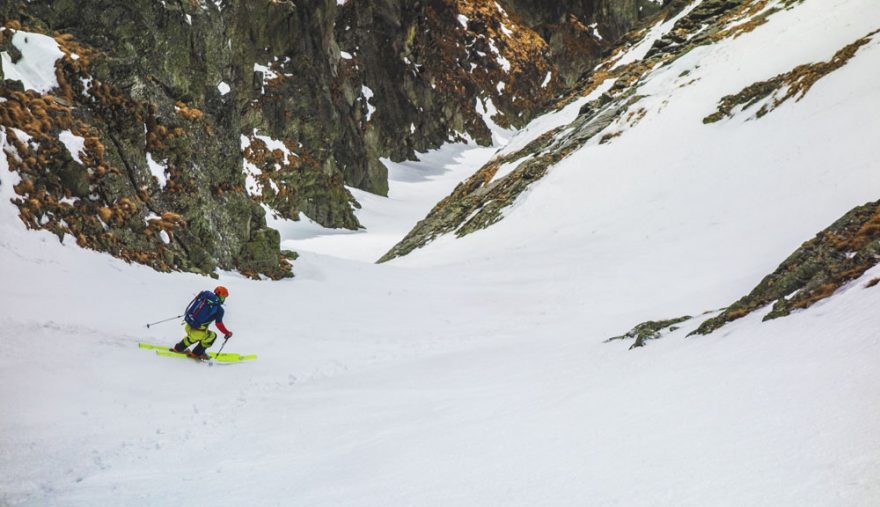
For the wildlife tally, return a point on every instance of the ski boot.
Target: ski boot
(199, 353)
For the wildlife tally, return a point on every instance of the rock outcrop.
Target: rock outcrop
(650, 330)
(794, 84)
(836, 256)
(823, 265)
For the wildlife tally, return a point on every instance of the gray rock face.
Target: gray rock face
(140, 77)
(418, 70)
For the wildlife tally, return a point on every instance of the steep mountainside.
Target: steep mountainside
(608, 97)
(191, 114)
(713, 115)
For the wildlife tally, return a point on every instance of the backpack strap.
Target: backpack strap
(192, 303)
(196, 306)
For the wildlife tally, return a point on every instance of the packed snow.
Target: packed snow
(547, 79)
(554, 119)
(367, 93)
(36, 68)
(75, 144)
(487, 110)
(253, 186)
(473, 372)
(157, 170)
(414, 188)
(640, 49)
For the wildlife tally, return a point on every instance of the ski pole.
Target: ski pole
(161, 321)
(221, 346)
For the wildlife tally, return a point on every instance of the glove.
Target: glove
(227, 336)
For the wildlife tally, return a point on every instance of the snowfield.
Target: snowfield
(474, 371)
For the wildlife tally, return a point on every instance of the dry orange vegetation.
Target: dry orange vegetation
(523, 46)
(189, 113)
(46, 198)
(793, 84)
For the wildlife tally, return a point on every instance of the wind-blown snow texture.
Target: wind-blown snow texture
(473, 372)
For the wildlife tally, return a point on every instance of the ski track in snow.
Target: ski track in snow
(473, 372)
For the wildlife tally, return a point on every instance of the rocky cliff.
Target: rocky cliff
(140, 87)
(195, 117)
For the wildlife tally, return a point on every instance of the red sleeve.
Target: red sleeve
(222, 328)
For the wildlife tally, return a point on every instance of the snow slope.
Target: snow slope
(414, 187)
(473, 371)
(421, 390)
(692, 216)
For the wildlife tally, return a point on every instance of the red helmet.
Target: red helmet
(221, 291)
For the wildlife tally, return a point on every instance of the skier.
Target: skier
(207, 307)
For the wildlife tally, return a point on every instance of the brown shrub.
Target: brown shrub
(24, 187)
(106, 214)
(188, 113)
(173, 218)
(737, 313)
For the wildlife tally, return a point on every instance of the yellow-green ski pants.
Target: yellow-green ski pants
(201, 335)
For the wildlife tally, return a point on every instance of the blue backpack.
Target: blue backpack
(203, 309)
